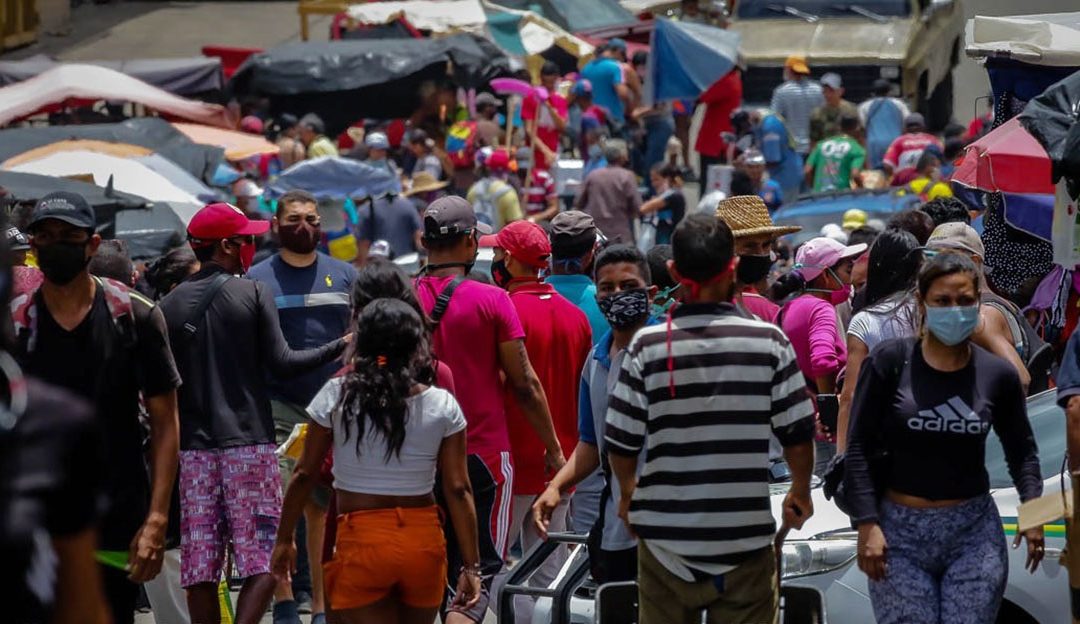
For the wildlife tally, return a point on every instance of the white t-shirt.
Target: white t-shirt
(892, 317)
(432, 415)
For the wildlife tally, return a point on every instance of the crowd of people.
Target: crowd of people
(366, 445)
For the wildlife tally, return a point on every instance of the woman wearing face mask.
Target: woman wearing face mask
(930, 537)
(888, 310)
(823, 266)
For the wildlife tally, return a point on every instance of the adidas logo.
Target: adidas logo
(953, 416)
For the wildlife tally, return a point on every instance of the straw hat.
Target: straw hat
(422, 182)
(747, 215)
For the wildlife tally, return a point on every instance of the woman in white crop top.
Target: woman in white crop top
(389, 432)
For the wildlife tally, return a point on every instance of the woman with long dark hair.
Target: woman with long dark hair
(930, 536)
(389, 430)
(888, 310)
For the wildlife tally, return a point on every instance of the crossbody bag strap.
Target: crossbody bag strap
(193, 322)
(442, 302)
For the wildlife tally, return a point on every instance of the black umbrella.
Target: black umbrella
(1053, 118)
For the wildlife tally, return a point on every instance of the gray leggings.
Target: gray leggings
(945, 565)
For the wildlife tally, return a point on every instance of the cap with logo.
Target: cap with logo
(819, 254)
(377, 140)
(16, 240)
(219, 221)
(64, 206)
(524, 240)
(956, 236)
(572, 230)
(451, 216)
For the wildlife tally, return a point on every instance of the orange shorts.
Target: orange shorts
(385, 550)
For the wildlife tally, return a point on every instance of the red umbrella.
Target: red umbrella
(1007, 159)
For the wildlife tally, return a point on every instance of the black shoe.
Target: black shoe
(303, 603)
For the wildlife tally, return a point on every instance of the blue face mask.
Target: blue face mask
(952, 325)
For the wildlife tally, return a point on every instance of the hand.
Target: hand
(1036, 545)
(872, 549)
(468, 589)
(283, 560)
(797, 508)
(543, 508)
(348, 338)
(624, 513)
(554, 460)
(147, 552)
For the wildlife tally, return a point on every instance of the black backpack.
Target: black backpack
(1036, 353)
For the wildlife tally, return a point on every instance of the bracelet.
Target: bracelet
(472, 570)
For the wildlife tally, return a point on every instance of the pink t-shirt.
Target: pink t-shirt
(759, 306)
(478, 319)
(814, 331)
(905, 150)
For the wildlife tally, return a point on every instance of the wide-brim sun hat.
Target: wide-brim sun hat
(423, 182)
(817, 255)
(747, 215)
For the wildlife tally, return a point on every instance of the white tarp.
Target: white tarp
(442, 16)
(1047, 39)
(129, 176)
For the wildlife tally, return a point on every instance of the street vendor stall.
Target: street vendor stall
(180, 76)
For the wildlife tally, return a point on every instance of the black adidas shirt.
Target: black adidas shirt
(49, 490)
(933, 426)
(98, 362)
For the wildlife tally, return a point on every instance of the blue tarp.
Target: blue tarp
(686, 58)
(812, 212)
(335, 178)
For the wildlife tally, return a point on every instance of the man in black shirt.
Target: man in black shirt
(107, 344)
(228, 342)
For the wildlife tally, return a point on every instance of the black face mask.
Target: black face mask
(62, 262)
(301, 238)
(625, 308)
(753, 268)
(500, 274)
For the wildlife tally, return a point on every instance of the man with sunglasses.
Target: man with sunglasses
(227, 340)
(106, 344)
(311, 291)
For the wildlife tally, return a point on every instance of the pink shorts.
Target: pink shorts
(228, 497)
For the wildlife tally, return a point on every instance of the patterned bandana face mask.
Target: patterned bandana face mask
(625, 308)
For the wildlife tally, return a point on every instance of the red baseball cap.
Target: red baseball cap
(526, 241)
(219, 221)
(498, 161)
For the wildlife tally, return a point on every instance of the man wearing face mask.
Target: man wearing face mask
(574, 243)
(479, 336)
(105, 343)
(311, 291)
(754, 232)
(557, 340)
(625, 293)
(227, 339)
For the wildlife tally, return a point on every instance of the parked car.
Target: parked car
(915, 43)
(822, 555)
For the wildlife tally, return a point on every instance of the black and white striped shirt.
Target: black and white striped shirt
(703, 395)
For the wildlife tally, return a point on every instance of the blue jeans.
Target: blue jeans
(947, 564)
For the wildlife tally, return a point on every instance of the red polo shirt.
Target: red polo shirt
(558, 340)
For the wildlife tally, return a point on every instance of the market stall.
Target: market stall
(180, 76)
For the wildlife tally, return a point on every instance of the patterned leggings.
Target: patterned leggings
(946, 565)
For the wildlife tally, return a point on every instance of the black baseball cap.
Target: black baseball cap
(451, 216)
(64, 206)
(571, 230)
(16, 240)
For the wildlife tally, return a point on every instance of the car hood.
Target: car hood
(833, 40)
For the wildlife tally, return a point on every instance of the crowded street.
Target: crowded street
(553, 312)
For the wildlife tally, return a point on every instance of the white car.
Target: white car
(822, 554)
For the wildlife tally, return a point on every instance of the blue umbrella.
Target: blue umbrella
(686, 58)
(332, 177)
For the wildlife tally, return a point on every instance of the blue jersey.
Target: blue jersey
(313, 305)
(784, 163)
(604, 74)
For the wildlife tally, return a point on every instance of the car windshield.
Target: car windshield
(808, 9)
(1048, 423)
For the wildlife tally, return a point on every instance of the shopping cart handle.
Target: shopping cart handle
(560, 594)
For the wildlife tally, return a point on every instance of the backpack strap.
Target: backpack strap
(442, 302)
(1017, 332)
(193, 322)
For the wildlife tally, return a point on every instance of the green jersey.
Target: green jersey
(833, 161)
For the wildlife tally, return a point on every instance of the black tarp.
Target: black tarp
(149, 132)
(576, 15)
(182, 76)
(1053, 118)
(344, 80)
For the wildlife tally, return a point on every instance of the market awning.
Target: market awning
(237, 145)
(686, 58)
(93, 83)
(442, 17)
(575, 15)
(1051, 39)
(182, 76)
